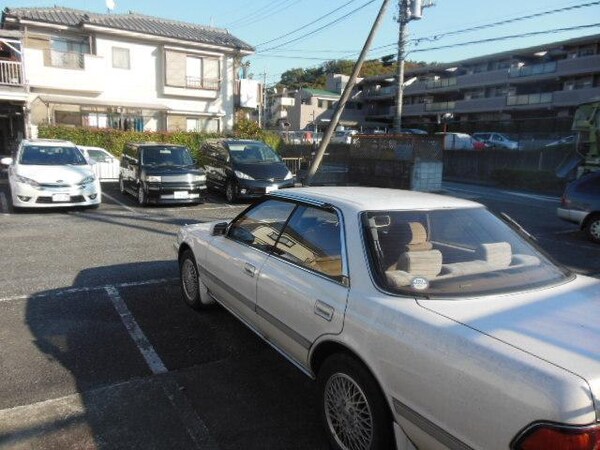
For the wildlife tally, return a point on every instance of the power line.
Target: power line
(506, 22)
(304, 36)
(272, 13)
(258, 12)
(504, 38)
(306, 25)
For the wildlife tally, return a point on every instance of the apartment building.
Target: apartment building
(122, 71)
(524, 88)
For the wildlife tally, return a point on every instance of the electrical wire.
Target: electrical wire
(258, 12)
(317, 30)
(272, 13)
(306, 25)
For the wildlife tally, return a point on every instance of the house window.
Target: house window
(203, 124)
(67, 53)
(120, 58)
(192, 71)
(201, 73)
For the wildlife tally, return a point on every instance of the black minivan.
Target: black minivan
(244, 168)
(161, 173)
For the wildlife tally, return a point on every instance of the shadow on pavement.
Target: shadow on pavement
(74, 376)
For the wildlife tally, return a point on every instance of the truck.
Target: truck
(586, 124)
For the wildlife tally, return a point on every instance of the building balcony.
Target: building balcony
(529, 99)
(48, 69)
(574, 97)
(480, 105)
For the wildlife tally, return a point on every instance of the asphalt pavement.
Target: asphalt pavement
(97, 349)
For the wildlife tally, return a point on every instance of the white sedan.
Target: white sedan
(105, 166)
(50, 173)
(428, 322)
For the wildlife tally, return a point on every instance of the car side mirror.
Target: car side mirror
(6, 161)
(220, 229)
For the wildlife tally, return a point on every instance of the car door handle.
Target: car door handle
(249, 269)
(324, 310)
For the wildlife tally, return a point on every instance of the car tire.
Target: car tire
(194, 291)
(231, 192)
(142, 198)
(121, 185)
(592, 229)
(348, 391)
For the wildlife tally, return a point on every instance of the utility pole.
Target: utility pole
(263, 104)
(339, 109)
(407, 10)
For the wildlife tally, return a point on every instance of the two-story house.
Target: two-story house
(13, 93)
(124, 71)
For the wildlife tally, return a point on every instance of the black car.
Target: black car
(580, 203)
(161, 173)
(244, 168)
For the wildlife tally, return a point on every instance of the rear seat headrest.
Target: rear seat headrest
(497, 254)
(414, 235)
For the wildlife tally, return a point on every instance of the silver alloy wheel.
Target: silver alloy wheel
(594, 229)
(189, 276)
(348, 414)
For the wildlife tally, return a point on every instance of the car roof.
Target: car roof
(374, 199)
(232, 141)
(48, 142)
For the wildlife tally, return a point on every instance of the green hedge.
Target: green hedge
(535, 180)
(114, 140)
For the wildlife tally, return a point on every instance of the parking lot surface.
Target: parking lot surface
(99, 351)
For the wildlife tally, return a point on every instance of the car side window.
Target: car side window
(260, 226)
(312, 239)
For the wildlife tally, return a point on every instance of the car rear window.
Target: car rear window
(453, 253)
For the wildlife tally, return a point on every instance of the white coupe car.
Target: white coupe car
(428, 322)
(50, 173)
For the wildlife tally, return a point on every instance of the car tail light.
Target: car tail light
(559, 437)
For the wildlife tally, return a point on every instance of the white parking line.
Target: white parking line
(152, 359)
(128, 208)
(68, 291)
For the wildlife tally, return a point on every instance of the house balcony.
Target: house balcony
(12, 84)
(65, 71)
(476, 105)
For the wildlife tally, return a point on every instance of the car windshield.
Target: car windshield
(166, 156)
(255, 152)
(39, 155)
(453, 253)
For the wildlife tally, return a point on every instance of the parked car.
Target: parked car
(421, 316)
(48, 173)
(105, 166)
(413, 131)
(244, 168)
(161, 173)
(461, 141)
(343, 136)
(497, 140)
(580, 204)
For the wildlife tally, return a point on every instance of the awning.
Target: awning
(84, 101)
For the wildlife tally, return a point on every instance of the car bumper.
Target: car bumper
(572, 215)
(27, 196)
(176, 193)
(258, 188)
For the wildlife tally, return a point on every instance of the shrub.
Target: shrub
(114, 140)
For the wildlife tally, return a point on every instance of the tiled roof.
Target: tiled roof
(134, 22)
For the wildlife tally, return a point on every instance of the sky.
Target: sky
(266, 24)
